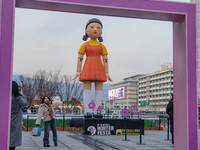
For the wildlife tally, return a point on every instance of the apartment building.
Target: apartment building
(155, 89)
(125, 92)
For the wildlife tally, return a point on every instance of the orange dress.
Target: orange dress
(93, 69)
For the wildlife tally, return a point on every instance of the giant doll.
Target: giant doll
(95, 67)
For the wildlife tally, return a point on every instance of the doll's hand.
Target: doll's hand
(108, 77)
(77, 75)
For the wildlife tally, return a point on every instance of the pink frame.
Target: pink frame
(183, 16)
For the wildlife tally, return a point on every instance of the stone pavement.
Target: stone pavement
(74, 140)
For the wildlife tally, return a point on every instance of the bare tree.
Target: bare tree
(28, 87)
(54, 84)
(78, 91)
(49, 83)
(40, 77)
(72, 87)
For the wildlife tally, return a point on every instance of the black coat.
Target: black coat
(169, 109)
(170, 112)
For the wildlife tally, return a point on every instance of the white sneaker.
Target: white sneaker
(172, 145)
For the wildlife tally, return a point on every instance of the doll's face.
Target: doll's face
(94, 30)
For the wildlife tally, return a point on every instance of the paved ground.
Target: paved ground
(71, 140)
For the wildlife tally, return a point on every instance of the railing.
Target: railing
(62, 120)
(57, 110)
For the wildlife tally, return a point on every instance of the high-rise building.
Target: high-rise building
(156, 89)
(125, 92)
(198, 43)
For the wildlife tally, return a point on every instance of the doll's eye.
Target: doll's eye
(91, 26)
(99, 28)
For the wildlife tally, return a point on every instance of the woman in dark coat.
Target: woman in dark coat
(18, 102)
(170, 112)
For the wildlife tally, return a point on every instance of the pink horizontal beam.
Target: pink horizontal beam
(135, 9)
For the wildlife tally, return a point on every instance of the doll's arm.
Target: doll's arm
(105, 63)
(79, 66)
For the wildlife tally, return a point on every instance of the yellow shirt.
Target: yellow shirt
(94, 43)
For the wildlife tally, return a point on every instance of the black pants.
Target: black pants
(12, 148)
(172, 129)
(47, 125)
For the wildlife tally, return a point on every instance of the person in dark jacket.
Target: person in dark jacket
(18, 102)
(169, 111)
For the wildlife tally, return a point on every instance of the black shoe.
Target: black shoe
(88, 115)
(98, 115)
(56, 144)
(46, 145)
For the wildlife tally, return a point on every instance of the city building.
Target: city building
(125, 92)
(155, 89)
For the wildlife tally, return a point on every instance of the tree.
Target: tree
(28, 87)
(48, 83)
(72, 87)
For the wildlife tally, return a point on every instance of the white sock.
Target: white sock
(87, 100)
(98, 99)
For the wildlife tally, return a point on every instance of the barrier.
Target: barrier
(125, 127)
(140, 134)
(167, 129)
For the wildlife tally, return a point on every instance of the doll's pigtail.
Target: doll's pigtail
(100, 39)
(85, 37)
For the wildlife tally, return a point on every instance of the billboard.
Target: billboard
(117, 93)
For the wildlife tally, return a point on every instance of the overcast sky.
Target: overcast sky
(51, 40)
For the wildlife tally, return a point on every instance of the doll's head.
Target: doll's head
(93, 29)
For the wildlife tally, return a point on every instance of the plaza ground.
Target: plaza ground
(75, 140)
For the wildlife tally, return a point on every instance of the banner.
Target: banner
(113, 126)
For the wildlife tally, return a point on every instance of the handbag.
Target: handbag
(36, 131)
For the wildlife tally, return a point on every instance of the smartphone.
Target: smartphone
(19, 88)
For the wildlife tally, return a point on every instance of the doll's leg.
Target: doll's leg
(87, 96)
(98, 94)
